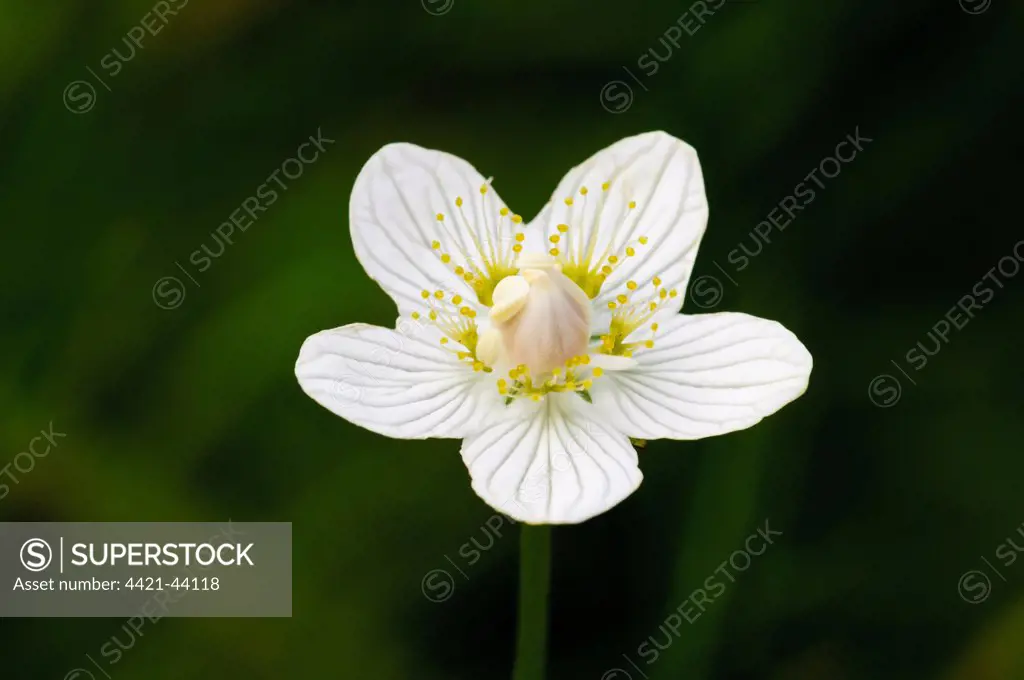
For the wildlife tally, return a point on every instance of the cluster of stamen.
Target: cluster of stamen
(580, 261)
(575, 376)
(482, 265)
(630, 314)
(456, 321)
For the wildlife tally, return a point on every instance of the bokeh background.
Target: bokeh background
(888, 487)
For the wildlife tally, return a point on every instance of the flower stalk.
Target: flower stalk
(534, 587)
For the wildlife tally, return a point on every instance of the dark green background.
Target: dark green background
(194, 413)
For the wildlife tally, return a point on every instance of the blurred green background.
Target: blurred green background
(193, 413)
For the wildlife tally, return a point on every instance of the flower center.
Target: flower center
(540, 304)
(543, 317)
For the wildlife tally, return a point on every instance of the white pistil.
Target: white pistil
(543, 317)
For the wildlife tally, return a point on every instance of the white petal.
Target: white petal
(551, 462)
(662, 175)
(393, 213)
(706, 375)
(609, 362)
(393, 384)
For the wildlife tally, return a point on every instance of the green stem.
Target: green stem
(534, 585)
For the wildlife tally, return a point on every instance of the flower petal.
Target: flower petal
(394, 210)
(394, 384)
(552, 462)
(662, 175)
(706, 375)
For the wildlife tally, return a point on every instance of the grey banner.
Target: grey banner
(145, 569)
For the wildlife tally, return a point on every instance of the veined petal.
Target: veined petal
(394, 384)
(706, 375)
(648, 186)
(551, 462)
(410, 208)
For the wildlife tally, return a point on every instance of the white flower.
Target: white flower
(547, 346)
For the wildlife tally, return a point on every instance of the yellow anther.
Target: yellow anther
(478, 366)
(653, 306)
(570, 386)
(632, 204)
(554, 252)
(436, 245)
(649, 344)
(588, 383)
(520, 237)
(604, 187)
(612, 259)
(459, 271)
(663, 293)
(654, 327)
(468, 276)
(643, 240)
(606, 269)
(504, 212)
(432, 315)
(568, 201)
(465, 311)
(415, 316)
(444, 341)
(656, 281)
(456, 299)
(424, 294)
(673, 293)
(553, 238)
(630, 252)
(446, 258)
(440, 217)
(439, 294)
(517, 248)
(612, 305)
(622, 299)
(583, 191)
(458, 201)
(535, 397)
(517, 219)
(563, 228)
(585, 359)
(483, 188)
(631, 285)
(598, 371)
